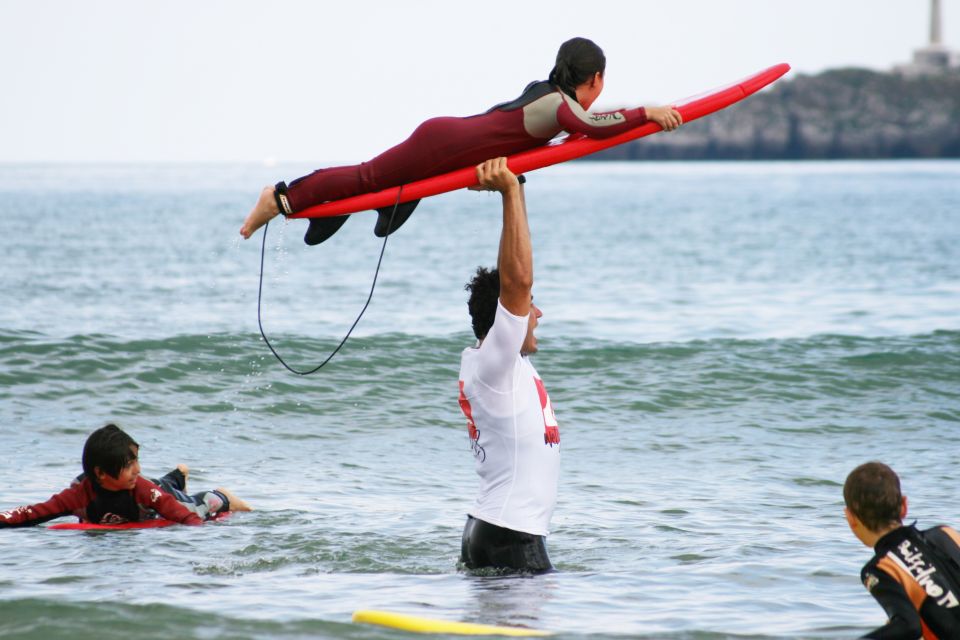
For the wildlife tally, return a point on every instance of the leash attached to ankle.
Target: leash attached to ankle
(280, 195)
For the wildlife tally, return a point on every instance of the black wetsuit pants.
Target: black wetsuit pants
(206, 504)
(485, 545)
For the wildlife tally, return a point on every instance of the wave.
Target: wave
(42, 618)
(213, 372)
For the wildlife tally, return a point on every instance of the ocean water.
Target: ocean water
(723, 343)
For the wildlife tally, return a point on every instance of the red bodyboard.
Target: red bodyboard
(550, 154)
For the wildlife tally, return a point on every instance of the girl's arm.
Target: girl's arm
(572, 117)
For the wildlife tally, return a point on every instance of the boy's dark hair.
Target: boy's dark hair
(109, 448)
(872, 493)
(484, 291)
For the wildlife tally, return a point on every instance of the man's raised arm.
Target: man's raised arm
(515, 262)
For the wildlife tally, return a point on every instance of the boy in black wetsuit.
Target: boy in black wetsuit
(112, 491)
(914, 575)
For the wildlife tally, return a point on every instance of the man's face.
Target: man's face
(529, 346)
(125, 480)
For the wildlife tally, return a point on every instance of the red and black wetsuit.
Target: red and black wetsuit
(444, 144)
(92, 503)
(915, 576)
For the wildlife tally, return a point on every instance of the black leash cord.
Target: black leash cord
(263, 252)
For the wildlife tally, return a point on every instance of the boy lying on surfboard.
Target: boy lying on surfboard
(111, 490)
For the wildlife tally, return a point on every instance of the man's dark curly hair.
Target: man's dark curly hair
(484, 291)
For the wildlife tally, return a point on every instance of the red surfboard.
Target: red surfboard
(87, 526)
(566, 149)
(156, 523)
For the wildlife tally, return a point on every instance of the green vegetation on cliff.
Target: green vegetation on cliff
(843, 113)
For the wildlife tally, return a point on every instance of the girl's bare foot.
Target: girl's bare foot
(236, 504)
(263, 212)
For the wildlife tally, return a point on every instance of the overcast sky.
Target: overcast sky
(318, 81)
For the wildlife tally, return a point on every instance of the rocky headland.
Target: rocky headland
(837, 114)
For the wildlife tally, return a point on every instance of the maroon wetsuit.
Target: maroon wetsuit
(92, 503)
(444, 144)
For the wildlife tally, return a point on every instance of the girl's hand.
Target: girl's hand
(667, 117)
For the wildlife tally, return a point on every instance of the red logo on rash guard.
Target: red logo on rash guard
(551, 430)
(478, 451)
(468, 412)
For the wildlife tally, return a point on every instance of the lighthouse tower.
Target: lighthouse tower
(935, 57)
(935, 33)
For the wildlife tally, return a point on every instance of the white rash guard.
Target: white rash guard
(513, 430)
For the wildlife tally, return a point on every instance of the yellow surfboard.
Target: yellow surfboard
(417, 624)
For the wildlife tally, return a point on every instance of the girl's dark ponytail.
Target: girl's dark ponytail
(560, 76)
(577, 60)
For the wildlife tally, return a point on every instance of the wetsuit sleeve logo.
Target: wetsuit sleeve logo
(9, 515)
(607, 118)
(551, 430)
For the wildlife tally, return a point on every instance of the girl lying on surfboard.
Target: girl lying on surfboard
(444, 144)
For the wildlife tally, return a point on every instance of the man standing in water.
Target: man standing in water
(514, 433)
